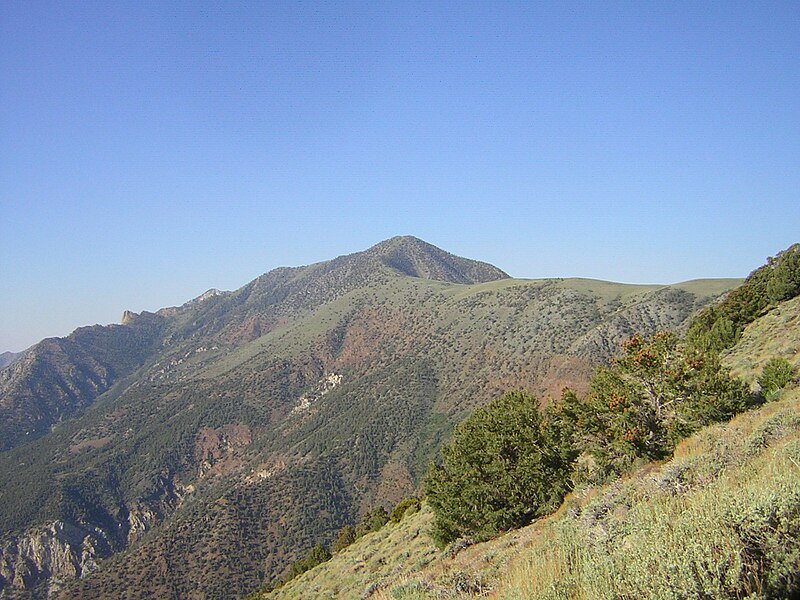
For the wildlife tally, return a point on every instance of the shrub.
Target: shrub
(775, 376)
(731, 535)
(655, 394)
(372, 521)
(404, 507)
(720, 327)
(316, 556)
(345, 537)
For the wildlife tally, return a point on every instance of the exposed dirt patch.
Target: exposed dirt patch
(216, 450)
(91, 444)
(396, 483)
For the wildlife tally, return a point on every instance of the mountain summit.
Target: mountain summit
(61, 377)
(416, 258)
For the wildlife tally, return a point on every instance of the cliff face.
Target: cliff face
(42, 561)
(45, 558)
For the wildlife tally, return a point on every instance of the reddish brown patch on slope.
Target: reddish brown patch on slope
(247, 331)
(395, 484)
(216, 450)
(368, 335)
(566, 371)
(91, 444)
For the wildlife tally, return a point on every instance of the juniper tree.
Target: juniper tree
(500, 470)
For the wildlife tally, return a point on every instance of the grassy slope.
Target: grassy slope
(775, 334)
(449, 300)
(721, 519)
(709, 287)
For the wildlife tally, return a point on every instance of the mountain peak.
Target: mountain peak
(401, 241)
(416, 258)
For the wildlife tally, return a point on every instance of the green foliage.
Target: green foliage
(345, 537)
(784, 283)
(655, 394)
(720, 327)
(775, 376)
(404, 507)
(316, 556)
(499, 471)
(720, 521)
(372, 521)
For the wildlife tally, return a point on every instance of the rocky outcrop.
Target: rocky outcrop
(212, 293)
(217, 450)
(42, 560)
(141, 519)
(128, 317)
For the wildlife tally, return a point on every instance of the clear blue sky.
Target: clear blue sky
(152, 150)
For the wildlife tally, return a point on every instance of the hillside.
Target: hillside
(776, 334)
(720, 519)
(59, 378)
(226, 436)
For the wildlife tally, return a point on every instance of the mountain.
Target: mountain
(59, 378)
(199, 450)
(413, 257)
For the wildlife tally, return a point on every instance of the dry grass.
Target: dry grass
(776, 334)
(720, 520)
(384, 555)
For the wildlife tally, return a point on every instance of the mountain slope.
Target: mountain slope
(776, 334)
(733, 486)
(60, 377)
(259, 421)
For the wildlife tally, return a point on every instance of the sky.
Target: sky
(151, 150)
